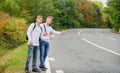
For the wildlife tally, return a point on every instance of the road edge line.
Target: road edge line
(113, 52)
(48, 65)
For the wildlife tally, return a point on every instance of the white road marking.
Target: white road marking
(113, 52)
(59, 71)
(52, 59)
(112, 38)
(98, 45)
(48, 66)
(79, 32)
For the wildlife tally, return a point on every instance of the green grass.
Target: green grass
(112, 30)
(3, 51)
(14, 61)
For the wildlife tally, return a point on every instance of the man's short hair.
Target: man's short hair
(39, 16)
(50, 17)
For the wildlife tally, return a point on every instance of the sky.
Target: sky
(103, 1)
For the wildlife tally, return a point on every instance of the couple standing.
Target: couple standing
(38, 34)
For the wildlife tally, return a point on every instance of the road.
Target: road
(85, 51)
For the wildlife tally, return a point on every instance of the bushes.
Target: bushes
(113, 10)
(116, 27)
(13, 32)
(93, 25)
(3, 19)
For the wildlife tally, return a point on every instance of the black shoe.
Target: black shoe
(40, 66)
(35, 70)
(27, 70)
(43, 68)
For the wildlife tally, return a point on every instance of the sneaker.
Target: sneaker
(35, 70)
(43, 68)
(27, 70)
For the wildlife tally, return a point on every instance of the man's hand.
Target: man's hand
(45, 33)
(63, 32)
(50, 37)
(30, 43)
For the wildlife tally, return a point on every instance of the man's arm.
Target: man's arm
(29, 32)
(57, 32)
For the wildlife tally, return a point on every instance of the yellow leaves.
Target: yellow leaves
(90, 11)
(3, 19)
(12, 31)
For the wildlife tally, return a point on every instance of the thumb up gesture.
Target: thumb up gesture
(62, 32)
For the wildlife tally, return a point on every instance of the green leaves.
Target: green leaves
(114, 12)
(92, 15)
(66, 12)
(13, 32)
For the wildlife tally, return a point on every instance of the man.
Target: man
(33, 33)
(45, 38)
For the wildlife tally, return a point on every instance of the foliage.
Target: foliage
(67, 16)
(3, 19)
(113, 10)
(66, 13)
(13, 32)
(90, 11)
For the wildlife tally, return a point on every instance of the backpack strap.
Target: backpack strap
(34, 26)
(44, 27)
(40, 34)
(31, 31)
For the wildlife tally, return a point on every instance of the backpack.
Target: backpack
(31, 32)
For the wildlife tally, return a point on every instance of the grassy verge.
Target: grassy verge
(3, 51)
(14, 61)
(112, 30)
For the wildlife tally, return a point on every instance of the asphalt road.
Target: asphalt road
(85, 51)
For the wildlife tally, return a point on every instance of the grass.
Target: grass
(112, 30)
(14, 61)
(3, 51)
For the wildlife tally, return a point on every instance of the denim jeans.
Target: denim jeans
(44, 47)
(32, 50)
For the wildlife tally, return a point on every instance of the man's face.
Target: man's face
(39, 20)
(49, 21)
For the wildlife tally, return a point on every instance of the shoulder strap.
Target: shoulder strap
(40, 34)
(31, 31)
(41, 31)
(34, 26)
(44, 27)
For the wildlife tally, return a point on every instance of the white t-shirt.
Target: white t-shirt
(34, 35)
(49, 30)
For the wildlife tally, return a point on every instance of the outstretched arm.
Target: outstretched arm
(57, 32)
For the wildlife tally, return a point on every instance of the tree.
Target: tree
(67, 17)
(91, 12)
(113, 10)
(44, 8)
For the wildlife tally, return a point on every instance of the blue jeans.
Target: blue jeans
(44, 47)
(32, 50)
